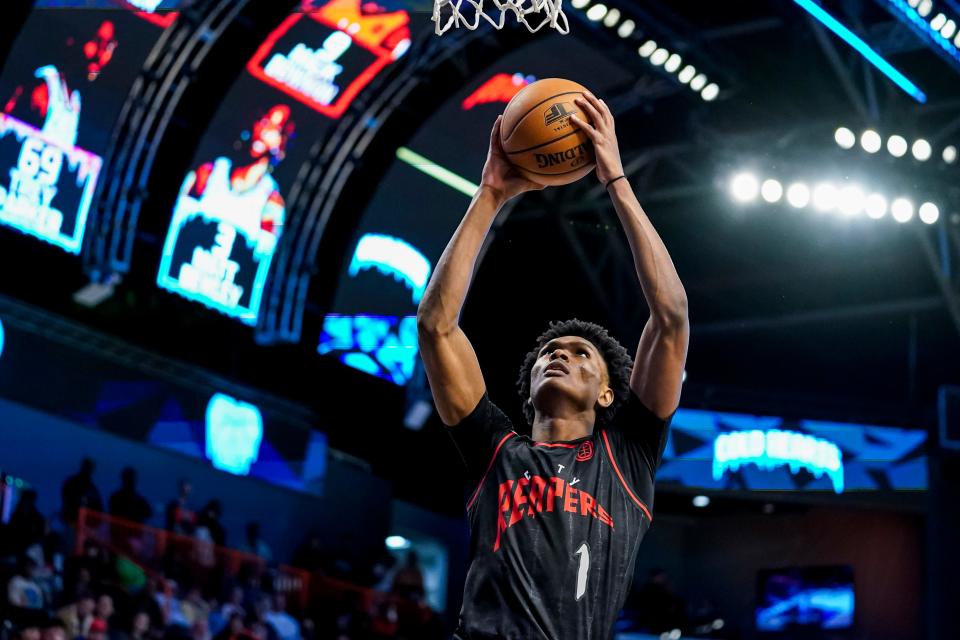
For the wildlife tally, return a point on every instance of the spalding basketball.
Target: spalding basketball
(539, 138)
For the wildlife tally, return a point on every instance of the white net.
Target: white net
(533, 14)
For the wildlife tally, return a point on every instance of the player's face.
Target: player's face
(571, 368)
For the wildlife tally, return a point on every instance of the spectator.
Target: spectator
(139, 628)
(180, 519)
(77, 617)
(195, 608)
(23, 591)
(30, 632)
(285, 625)
(233, 605)
(170, 606)
(104, 610)
(98, 630)
(254, 543)
(408, 581)
(79, 492)
(53, 629)
(126, 503)
(27, 525)
(208, 524)
(234, 629)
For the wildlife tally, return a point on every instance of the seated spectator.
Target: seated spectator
(209, 527)
(104, 609)
(53, 629)
(27, 526)
(138, 629)
(23, 590)
(98, 630)
(126, 502)
(171, 606)
(29, 632)
(195, 608)
(285, 625)
(233, 605)
(77, 617)
(254, 544)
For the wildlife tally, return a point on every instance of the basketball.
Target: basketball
(539, 138)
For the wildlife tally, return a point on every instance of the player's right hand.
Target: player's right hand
(499, 175)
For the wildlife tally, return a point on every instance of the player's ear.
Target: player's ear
(605, 399)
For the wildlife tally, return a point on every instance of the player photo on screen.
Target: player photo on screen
(66, 79)
(227, 221)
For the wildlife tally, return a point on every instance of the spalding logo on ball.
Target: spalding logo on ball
(538, 137)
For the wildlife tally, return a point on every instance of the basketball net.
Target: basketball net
(552, 14)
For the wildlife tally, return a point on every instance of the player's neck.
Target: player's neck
(560, 428)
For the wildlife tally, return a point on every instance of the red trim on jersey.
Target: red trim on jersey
(490, 466)
(554, 444)
(639, 502)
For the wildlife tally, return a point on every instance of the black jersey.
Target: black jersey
(555, 526)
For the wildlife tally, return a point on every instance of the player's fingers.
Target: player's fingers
(591, 111)
(587, 129)
(600, 106)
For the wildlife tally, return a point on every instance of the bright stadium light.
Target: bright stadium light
(870, 141)
(897, 146)
(921, 150)
(673, 63)
(612, 18)
(929, 212)
(798, 195)
(626, 29)
(825, 197)
(596, 12)
(913, 3)
(397, 543)
(851, 200)
(580, 4)
(845, 138)
(701, 501)
(949, 29)
(659, 56)
(710, 92)
(771, 190)
(925, 7)
(876, 206)
(744, 187)
(902, 210)
(647, 48)
(950, 154)
(698, 82)
(938, 22)
(687, 74)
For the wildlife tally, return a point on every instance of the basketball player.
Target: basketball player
(556, 518)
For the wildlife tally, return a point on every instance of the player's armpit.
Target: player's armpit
(453, 371)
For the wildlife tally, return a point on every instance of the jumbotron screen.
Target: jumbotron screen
(231, 209)
(421, 200)
(64, 83)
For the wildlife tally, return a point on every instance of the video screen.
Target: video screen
(805, 599)
(64, 83)
(421, 200)
(231, 209)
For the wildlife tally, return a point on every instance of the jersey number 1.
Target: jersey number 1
(584, 553)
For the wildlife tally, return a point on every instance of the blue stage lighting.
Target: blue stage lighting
(863, 49)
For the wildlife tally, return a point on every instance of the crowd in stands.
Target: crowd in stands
(60, 584)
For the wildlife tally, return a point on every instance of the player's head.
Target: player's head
(271, 133)
(594, 370)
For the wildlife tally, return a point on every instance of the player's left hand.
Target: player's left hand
(602, 134)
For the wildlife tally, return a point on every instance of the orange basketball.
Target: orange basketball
(539, 138)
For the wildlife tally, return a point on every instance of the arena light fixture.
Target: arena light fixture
(701, 501)
(950, 154)
(870, 141)
(929, 212)
(921, 150)
(673, 62)
(851, 200)
(579, 4)
(744, 187)
(686, 75)
(647, 48)
(863, 49)
(397, 543)
(902, 210)
(925, 7)
(437, 172)
(699, 82)
(825, 197)
(798, 195)
(938, 21)
(612, 18)
(845, 138)
(949, 29)
(897, 146)
(596, 12)
(710, 92)
(876, 206)
(626, 28)
(771, 190)
(659, 56)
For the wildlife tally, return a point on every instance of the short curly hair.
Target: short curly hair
(618, 360)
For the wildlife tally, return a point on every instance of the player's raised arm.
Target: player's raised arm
(448, 357)
(662, 352)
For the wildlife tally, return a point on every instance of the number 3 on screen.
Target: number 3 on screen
(584, 553)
